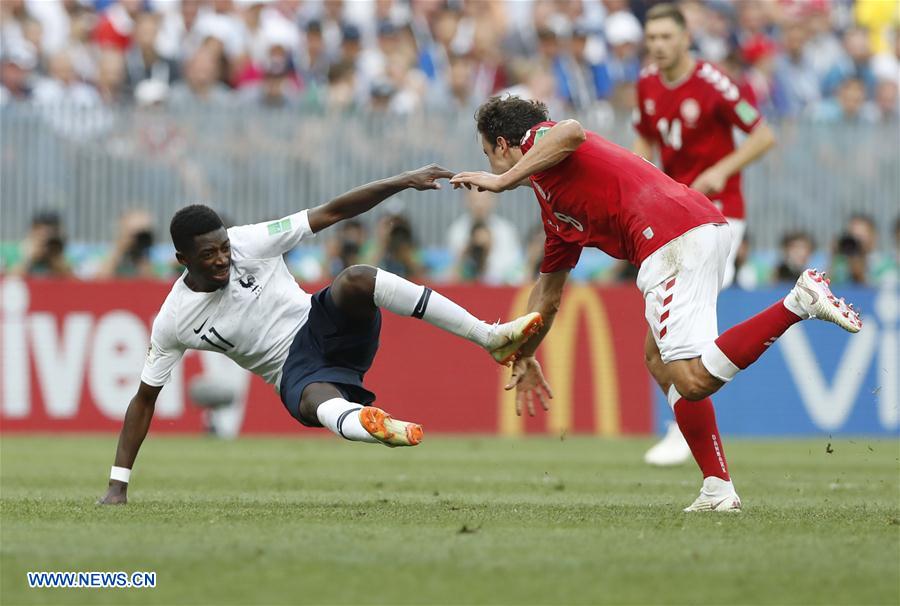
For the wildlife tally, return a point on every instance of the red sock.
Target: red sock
(697, 422)
(744, 343)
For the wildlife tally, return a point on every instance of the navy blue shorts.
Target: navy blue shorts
(330, 348)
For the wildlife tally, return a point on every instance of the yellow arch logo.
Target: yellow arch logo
(557, 355)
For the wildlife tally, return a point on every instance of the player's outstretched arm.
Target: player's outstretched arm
(134, 430)
(758, 142)
(366, 197)
(561, 140)
(527, 377)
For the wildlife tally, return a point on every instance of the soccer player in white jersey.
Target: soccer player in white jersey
(238, 298)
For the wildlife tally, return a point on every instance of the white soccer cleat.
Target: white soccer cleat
(673, 449)
(812, 295)
(508, 338)
(716, 495)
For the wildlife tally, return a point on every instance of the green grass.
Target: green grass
(457, 520)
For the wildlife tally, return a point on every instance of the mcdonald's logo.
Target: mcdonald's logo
(557, 356)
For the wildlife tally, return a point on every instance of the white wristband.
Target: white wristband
(120, 474)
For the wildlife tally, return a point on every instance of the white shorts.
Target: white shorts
(738, 229)
(680, 283)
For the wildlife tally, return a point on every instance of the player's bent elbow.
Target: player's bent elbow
(575, 134)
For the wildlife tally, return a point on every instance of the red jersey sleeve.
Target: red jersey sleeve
(731, 105)
(639, 118)
(559, 255)
(533, 134)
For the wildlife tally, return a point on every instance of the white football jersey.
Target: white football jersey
(252, 320)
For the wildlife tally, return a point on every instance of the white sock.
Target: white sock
(405, 298)
(793, 305)
(342, 418)
(717, 363)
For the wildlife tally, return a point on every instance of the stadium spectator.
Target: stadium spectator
(498, 239)
(472, 264)
(588, 77)
(849, 106)
(340, 94)
(759, 53)
(143, 61)
(313, 60)
(794, 71)
(201, 85)
(797, 249)
(395, 247)
(16, 67)
(277, 85)
(130, 255)
(351, 45)
(79, 45)
(346, 248)
(887, 101)
(43, 252)
(62, 86)
(455, 93)
(848, 261)
(623, 34)
(111, 76)
(864, 229)
(856, 63)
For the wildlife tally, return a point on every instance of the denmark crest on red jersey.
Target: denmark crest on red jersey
(690, 111)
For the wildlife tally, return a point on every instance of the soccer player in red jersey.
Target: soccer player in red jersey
(688, 109)
(597, 194)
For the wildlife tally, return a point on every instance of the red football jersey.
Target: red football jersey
(692, 122)
(606, 197)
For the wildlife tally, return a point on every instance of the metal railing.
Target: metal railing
(92, 164)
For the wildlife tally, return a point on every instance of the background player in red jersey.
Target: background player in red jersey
(688, 109)
(594, 193)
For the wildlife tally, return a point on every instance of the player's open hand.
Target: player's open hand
(116, 494)
(528, 380)
(711, 181)
(427, 177)
(480, 180)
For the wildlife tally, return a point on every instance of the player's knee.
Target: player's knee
(355, 282)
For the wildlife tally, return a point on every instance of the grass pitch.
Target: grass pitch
(456, 520)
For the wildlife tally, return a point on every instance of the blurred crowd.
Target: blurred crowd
(481, 247)
(823, 60)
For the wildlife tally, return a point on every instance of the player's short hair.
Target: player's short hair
(191, 221)
(666, 11)
(509, 117)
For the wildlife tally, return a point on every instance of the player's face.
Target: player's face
(667, 42)
(210, 261)
(501, 156)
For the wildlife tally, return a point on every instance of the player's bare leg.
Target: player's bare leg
(672, 449)
(323, 405)
(359, 289)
